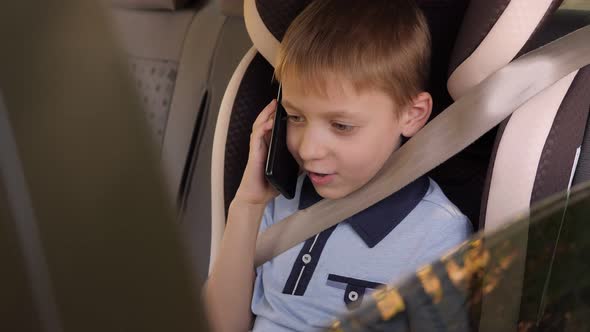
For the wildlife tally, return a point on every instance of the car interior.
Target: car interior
(173, 110)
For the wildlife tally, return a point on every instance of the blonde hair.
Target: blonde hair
(374, 44)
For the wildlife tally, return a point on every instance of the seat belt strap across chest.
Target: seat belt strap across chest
(481, 109)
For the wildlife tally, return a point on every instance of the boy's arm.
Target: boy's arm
(229, 288)
(228, 292)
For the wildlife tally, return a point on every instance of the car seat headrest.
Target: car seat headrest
(268, 20)
(493, 33)
(150, 4)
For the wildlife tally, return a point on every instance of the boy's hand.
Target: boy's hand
(254, 189)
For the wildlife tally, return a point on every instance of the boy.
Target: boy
(353, 76)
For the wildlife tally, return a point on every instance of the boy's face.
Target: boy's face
(343, 139)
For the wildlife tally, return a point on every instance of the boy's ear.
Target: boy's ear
(416, 114)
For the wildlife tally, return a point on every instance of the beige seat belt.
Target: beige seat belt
(481, 109)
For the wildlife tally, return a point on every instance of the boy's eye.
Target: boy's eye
(294, 118)
(342, 127)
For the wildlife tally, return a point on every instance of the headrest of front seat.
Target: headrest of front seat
(150, 4)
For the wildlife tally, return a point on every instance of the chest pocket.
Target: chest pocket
(354, 289)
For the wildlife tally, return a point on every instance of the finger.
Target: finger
(260, 138)
(263, 131)
(266, 127)
(266, 113)
(267, 131)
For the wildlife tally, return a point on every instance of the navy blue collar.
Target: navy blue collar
(376, 222)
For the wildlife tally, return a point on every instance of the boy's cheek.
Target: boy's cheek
(291, 144)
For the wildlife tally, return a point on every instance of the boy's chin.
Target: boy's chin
(332, 193)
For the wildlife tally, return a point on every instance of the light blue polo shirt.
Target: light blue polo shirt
(307, 286)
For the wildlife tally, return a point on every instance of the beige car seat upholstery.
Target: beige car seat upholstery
(181, 56)
(170, 53)
(195, 202)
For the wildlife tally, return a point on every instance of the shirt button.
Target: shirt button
(306, 258)
(353, 296)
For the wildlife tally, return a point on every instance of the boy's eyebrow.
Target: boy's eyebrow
(288, 105)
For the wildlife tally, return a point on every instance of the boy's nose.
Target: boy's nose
(311, 147)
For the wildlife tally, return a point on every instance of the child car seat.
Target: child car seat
(479, 51)
(462, 177)
(249, 90)
(491, 35)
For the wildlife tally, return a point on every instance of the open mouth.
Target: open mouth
(320, 178)
(318, 174)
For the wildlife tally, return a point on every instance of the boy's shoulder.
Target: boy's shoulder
(436, 200)
(435, 214)
(436, 223)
